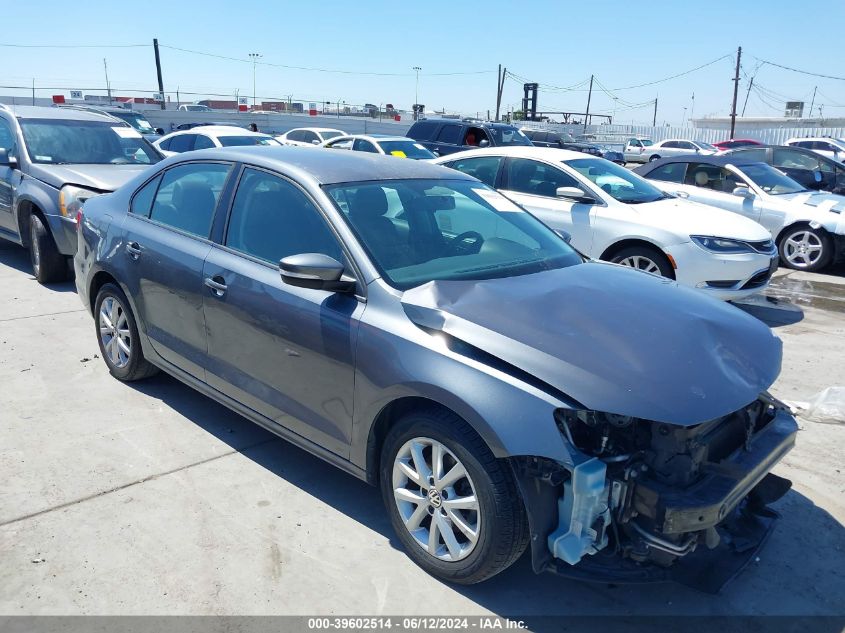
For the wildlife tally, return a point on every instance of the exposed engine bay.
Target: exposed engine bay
(656, 501)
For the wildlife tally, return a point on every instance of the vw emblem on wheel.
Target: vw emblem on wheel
(434, 498)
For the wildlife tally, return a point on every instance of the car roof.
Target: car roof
(59, 114)
(317, 129)
(219, 130)
(549, 154)
(372, 137)
(718, 160)
(324, 167)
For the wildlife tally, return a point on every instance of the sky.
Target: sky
(458, 45)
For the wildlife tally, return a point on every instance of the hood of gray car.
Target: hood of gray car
(830, 201)
(103, 178)
(614, 339)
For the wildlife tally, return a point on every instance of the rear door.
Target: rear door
(283, 351)
(533, 184)
(448, 139)
(166, 241)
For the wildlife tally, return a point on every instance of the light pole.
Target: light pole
(416, 69)
(255, 57)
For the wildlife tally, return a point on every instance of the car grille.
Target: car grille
(758, 280)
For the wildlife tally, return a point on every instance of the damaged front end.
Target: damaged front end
(650, 501)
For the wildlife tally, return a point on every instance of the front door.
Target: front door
(286, 352)
(9, 178)
(533, 184)
(166, 242)
(714, 185)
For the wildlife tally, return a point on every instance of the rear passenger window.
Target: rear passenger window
(484, 168)
(143, 198)
(673, 172)
(422, 130)
(182, 143)
(272, 219)
(188, 196)
(450, 134)
(203, 142)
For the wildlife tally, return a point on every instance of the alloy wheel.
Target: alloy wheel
(436, 499)
(803, 249)
(640, 262)
(115, 333)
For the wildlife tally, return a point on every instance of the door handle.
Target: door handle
(217, 287)
(133, 249)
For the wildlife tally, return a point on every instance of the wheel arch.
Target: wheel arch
(614, 248)
(100, 279)
(802, 223)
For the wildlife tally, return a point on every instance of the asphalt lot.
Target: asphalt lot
(152, 499)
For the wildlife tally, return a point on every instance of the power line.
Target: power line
(796, 70)
(74, 45)
(686, 72)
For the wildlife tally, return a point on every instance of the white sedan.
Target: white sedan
(208, 136)
(308, 136)
(612, 214)
(676, 147)
(808, 226)
(400, 146)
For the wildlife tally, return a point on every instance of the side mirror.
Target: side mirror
(565, 235)
(315, 142)
(743, 192)
(6, 160)
(573, 193)
(315, 271)
(160, 131)
(484, 143)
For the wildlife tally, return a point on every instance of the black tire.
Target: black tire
(652, 254)
(48, 264)
(654, 158)
(816, 237)
(137, 367)
(503, 532)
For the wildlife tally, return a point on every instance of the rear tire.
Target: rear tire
(654, 158)
(117, 336)
(802, 247)
(48, 264)
(646, 259)
(478, 519)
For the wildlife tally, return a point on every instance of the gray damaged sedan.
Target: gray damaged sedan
(413, 327)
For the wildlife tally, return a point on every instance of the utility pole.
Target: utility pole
(254, 57)
(654, 118)
(498, 91)
(736, 90)
(33, 93)
(589, 97)
(158, 72)
(748, 92)
(811, 102)
(108, 85)
(417, 70)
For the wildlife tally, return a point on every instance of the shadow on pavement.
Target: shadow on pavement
(805, 550)
(772, 311)
(17, 257)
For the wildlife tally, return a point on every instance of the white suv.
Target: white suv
(831, 147)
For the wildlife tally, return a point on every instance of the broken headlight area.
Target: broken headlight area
(646, 500)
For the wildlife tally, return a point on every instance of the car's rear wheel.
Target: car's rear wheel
(454, 506)
(48, 264)
(805, 248)
(647, 259)
(117, 335)
(653, 158)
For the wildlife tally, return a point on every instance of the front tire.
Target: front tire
(48, 264)
(647, 259)
(805, 248)
(454, 506)
(117, 336)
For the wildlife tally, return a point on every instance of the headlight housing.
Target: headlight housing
(72, 198)
(722, 245)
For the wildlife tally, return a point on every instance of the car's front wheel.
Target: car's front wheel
(805, 248)
(647, 259)
(117, 335)
(48, 264)
(454, 506)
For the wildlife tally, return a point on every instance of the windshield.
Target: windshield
(707, 146)
(327, 135)
(56, 142)
(508, 136)
(405, 149)
(232, 141)
(616, 181)
(416, 231)
(135, 120)
(770, 180)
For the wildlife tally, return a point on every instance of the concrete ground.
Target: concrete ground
(152, 499)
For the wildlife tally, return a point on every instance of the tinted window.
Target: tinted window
(422, 130)
(450, 134)
(671, 144)
(233, 141)
(188, 196)
(165, 144)
(7, 138)
(294, 135)
(540, 179)
(143, 199)
(272, 219)
(484, 168)
(182, 143)
(673, 172)
(309, 137)
(203, 142)
(360, 145)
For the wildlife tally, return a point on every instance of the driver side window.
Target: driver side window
(536, 178)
